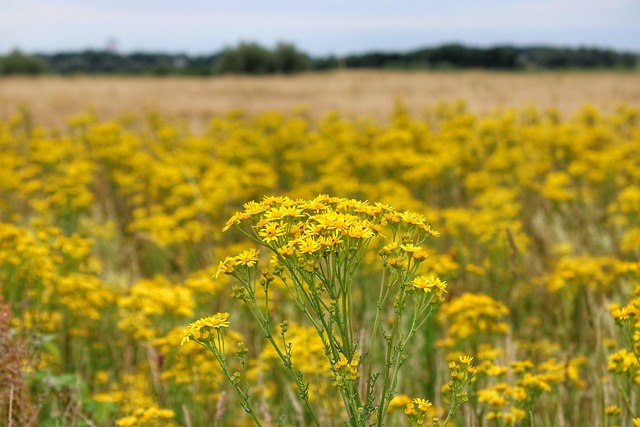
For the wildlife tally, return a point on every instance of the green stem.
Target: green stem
(374, 332)
(223, 365)
(401, 352)
(384, 401)
(264, 324)
(452, 411)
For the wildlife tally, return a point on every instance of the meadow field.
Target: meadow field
(362, 248)
(52, 100)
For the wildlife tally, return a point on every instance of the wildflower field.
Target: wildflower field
(437, 268)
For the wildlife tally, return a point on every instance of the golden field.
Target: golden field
(355, 93)
(357, 249)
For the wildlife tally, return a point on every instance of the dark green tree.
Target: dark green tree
(288, 59)
(19, 63)
(246, 58)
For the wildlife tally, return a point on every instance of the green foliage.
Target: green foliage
(457, 56)
(19, 63)
(285, 58)
(246, 58)
(137, 63)
(289, 59)
(252, 58)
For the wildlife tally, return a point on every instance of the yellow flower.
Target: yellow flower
(423, 404)
(492, 397)
(360, 231)
(410, 409)
(231, 221)
(248, 258)
(399, 401)
(410, 247)
(308, 245)
(612, 410)
(342, 362)
(271, 232)
(275, 214)
(390, 247)
(427, 283)
(216, 321)
(287, 250)
(521, 366)
(465, 360)
(330, 241)
(225, 267)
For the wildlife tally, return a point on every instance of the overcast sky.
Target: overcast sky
(319, 27)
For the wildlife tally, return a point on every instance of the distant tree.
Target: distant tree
(88, 62)
(201, 65)
(252, 58)
(325, 63)
(246, 58)
(285, 58)
(456, 56)
(18, 63)
(546, 57)
(501, 57)
(288, 59)
(375, 60)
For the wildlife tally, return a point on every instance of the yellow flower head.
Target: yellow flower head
(271, 232)
(399, 401)
(226, 266)
(612, 410)
(216, 321)
(423, 404)
(248, 258)
(427, 283)
(410, 409)
(309, 245)
(465, 360)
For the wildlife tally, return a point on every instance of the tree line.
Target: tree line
(286, 58)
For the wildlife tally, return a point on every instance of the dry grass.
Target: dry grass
(15, 403)
(53, 99)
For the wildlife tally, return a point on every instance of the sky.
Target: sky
(319, 27)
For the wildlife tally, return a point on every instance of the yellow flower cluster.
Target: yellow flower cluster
(417, 410)
(150, 417)
(624, 364)
(346, 370)
(473, 315)
(200, 329)
(151, 307)
(248, 258)
(322, 224)
(597, 273)
(137, 403)
(428, 283)
(110, 229)
(521, 384)
(178, 365)
(461, 373)
(628, 318)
